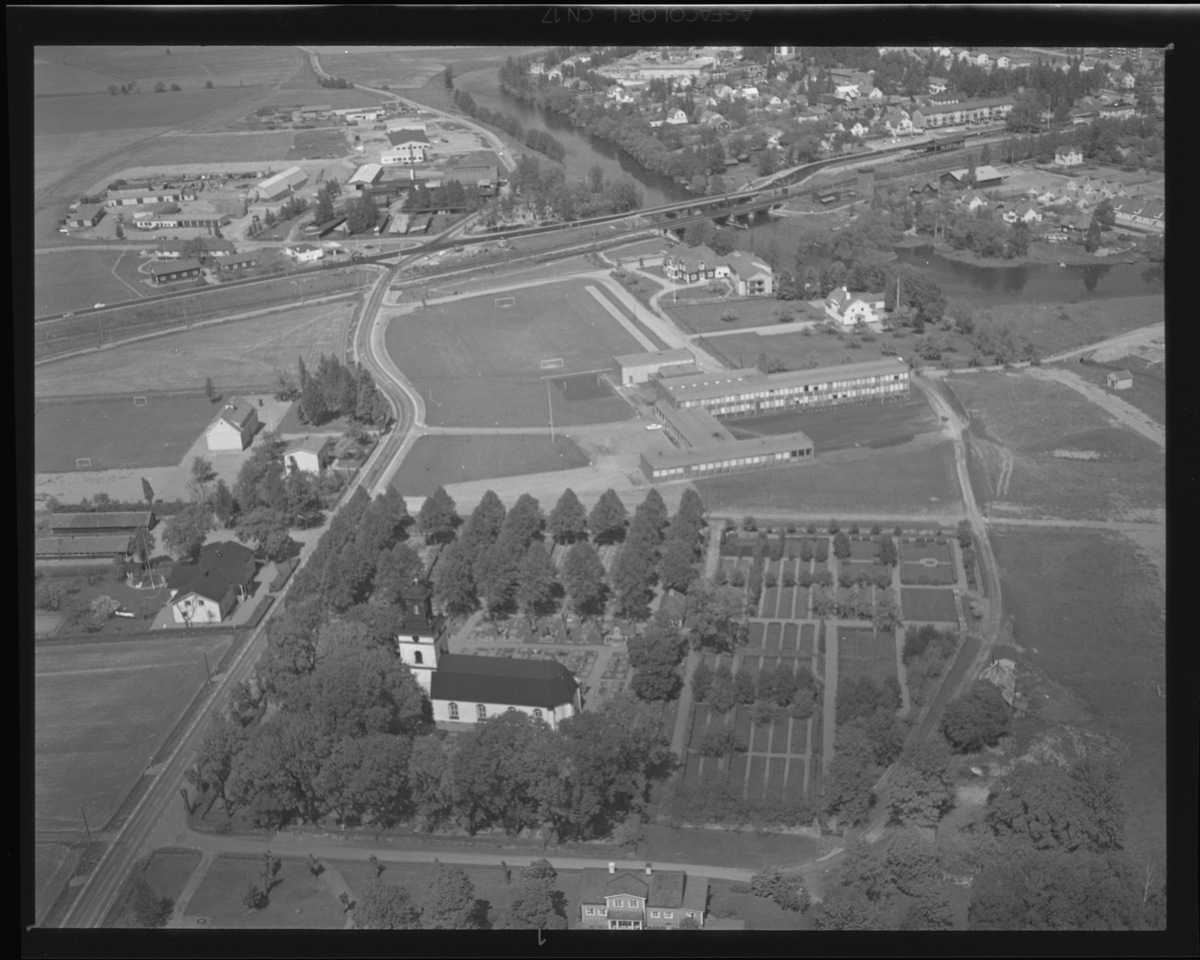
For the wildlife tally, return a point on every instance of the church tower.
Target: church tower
(423, 638)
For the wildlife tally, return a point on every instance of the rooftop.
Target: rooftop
(222, 565)
(663, 888)
(84, 522)
(681, 355)
(308, 444)
(730, 381)
(237, 413)
(166, 268)
(522, 683)
(106, 546)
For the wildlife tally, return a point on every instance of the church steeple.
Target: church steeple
(422, 640)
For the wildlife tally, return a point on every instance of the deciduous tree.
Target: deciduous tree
(568, 520)
(536, 581)
(716, 616)
(976, 720)
(385, 906)
(608, 517)
(437, 518)
(584, 579)
(186, 532)
(448, 900)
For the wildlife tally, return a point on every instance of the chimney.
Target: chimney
(648, 870)
(612, 867)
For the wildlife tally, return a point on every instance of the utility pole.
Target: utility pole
(550, 404)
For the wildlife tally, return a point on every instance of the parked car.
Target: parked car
(99, 306)
(654, 426)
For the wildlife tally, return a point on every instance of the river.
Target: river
(583, 151)
(979, 284)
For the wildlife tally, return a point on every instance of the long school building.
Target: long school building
(731, 393)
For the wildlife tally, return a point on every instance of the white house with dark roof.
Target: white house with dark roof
(308, 454)
(615, 899)
(850, 309)
(208, 590)
(234, 427)
(1068, 157)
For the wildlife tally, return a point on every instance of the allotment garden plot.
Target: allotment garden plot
(116, 434)
(479, 363)
(101, 712)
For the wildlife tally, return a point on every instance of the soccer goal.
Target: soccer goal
(554, 364)
(139, 401)
(83, 463)
(502, 302)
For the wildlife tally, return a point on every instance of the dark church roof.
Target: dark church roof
(522, 683)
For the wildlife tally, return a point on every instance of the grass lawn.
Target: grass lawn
(841, 428)
(723, 848)
(1149, 390)
(1088, 322)
(186, 359)
(167, 874)
(488, 880)
(928, 605)
(864, 653)
(86, 113)
(297, 900)
(223, 147)
(291, 423)
(115, 434)
(435, 460)
(482, 362)
(101, 711)
(144, 603)
(1087, 608)
(756, 312)
(316, 144)
(912, 477)
(941, 552)
(798, 351)
(943, 573)
(1045, 426)
(74, 279)
(52, 866)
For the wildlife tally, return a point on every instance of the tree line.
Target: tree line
(537, 140)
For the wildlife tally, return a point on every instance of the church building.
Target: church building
(469, 689)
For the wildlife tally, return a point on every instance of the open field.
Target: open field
(183, 360)
(435, 461)
(115, 434)
(406, 68)
(1067, 458)
(928, 605)
(59, 70)
(846, 427)
(101, 711)
(722, 848)
(488, 881)
(862, 652)
(483, 362)
(801, 350)
(1089, 321)
(316, 144)
(1087, 611)
(1149, 390)
(53, 864)
(915, 477)
(76, 279)
(100, 111)
(755, 312)
(216, 148)
(297, 899)
(57, 337)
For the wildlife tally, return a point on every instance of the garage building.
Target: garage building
(282, 184)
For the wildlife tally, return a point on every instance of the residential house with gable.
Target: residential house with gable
(208, 590)
(234, 426)
(615, 899)
(1068, 157)
(851, 309)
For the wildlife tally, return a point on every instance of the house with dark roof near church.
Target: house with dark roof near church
(208, 590)
(615, 899)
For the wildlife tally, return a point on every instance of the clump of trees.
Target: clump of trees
(333, 390)
(977, 719)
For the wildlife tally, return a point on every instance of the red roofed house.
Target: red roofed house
(615, 899)
(234, 427)
(207, 591)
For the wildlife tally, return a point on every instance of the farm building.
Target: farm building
(626, 900)
(101, 524)
(280, 185)
(467, 689)
(207, 591)
(175, 271)
(404, 123)
(240, 262)
(1120, 380)
(234, 427)
(79, 548)
(308, 454)
(639, 367)
(749, 391)
(87, 215)
(304, 253)
(849, 309)
(368, 173)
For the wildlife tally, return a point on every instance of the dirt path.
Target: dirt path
(1125, 413)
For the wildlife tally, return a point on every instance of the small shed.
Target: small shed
(1120, 380)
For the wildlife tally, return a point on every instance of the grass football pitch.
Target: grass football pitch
(101, 711)
(114, 434)
(438, 461)
(477, 364)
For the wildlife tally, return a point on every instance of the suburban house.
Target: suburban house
(305, 253)
(175, 270)
(240, 262)
(97, 524)
(1068, 157)
(897, 122)
(205, 246)
(690, 264)
(207, 591)
(972, 200)
(1025, 212)
(751, 277)
(1120, 380)
(234, 427)
(850, 309)
(308, 454)
(676, 117)
(630, 900)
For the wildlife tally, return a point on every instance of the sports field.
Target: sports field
(184, 360)
(115, 434)
(482, 362)
(437, 461)
(75, 279)
(916, 477)
(845, 427)
(928, 605)
(101, 711)
(759, 312)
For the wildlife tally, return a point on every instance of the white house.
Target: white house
(751, 277)
(677, 117)
(1024, 212)
(972, 200)
(1068, 157)
(308, 454)
(208, 590)
(234, 427)
(846, 91)
(850, 309)
(1120, 380)
(723, 92)
(305, 253)
(748, 93)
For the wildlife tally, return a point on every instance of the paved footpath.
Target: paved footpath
(828, 727)
(679, 736)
